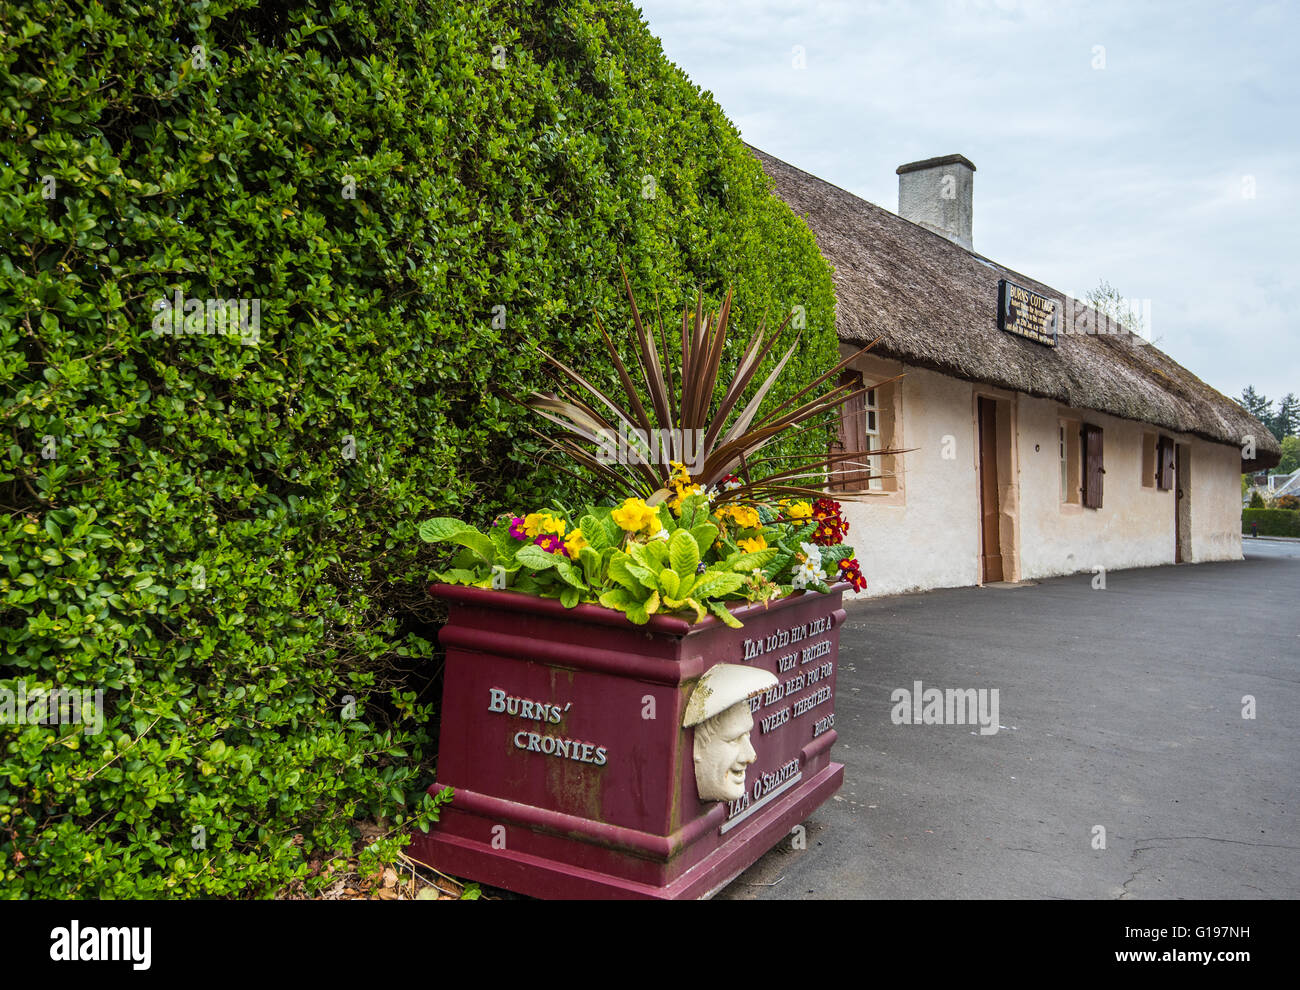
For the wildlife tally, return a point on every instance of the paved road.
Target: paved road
(1120, 708)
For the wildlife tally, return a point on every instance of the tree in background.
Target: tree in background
(1256, 500)
(1282, 422)
(1107, 300)
(1290, 455)
(1286, 421)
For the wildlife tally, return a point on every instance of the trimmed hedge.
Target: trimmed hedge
(217, 529)
(1272, 522)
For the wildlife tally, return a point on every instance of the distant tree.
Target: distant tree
(1286, 421)
(1286, 502)
(1290, 456)
(1256, 500)
(1107, 300)
(1258, 406)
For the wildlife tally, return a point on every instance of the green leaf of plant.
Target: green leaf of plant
(699, 609)
(746, 562)
(568, 573)
(591, 562)
(645, 577)
(724, 613)
(569, 597)
(715, 584)
(619, 598)
(457, 576)
(704, 534)
(656, 552)
(535, 558)
(619, 570)
(595, 534)
(668, 582)
(683, 552)
(440, 529)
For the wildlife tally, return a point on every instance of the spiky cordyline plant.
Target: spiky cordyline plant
(732, 435)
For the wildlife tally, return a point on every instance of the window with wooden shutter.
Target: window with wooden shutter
(1165, 462)
(850, 435)
(1093, 471)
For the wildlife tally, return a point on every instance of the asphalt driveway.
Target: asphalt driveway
(1120, 708)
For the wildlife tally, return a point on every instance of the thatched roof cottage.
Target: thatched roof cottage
(1042, 439)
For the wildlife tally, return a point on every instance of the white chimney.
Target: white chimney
(936, 194)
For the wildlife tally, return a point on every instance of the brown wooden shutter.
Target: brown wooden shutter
(851, 435)
(1165, 463)
(1093, 471)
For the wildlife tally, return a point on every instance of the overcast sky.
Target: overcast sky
(1151, 144)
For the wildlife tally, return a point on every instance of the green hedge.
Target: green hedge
(218, 532)
(1271, 522)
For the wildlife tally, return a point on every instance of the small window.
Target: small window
(1069, 452)
(866, 423)
(873, 441)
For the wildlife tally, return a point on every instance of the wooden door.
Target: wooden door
(1093, 468)
(990, 530)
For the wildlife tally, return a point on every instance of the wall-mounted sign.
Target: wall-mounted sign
(1027, 314)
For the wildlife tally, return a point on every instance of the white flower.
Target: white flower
(731, 485)
(661, 535)
(807, 573)
(813, 553)
(711, 493)
(498, 578)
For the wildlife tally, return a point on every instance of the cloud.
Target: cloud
(1140, 171)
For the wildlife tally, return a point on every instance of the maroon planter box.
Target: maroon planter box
(562, 736)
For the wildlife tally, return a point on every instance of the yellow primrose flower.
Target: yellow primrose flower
(798, 511)
(574, 542)
(635, 516)
(682, 493)
(539, 523)
(753, 545)
(744, 516)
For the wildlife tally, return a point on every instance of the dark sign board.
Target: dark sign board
(1026, 313)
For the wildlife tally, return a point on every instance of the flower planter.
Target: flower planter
(562, 735)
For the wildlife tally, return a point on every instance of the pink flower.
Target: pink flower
(517, 528)
(551, 543)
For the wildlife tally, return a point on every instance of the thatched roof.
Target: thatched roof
(934, 304)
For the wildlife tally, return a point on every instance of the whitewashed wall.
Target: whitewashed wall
(926, 535)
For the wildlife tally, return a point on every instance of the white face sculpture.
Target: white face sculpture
(722, 752)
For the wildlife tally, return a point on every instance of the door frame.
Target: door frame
(989, 490)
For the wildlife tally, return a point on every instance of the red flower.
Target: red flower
(831, 525)
(852, 573)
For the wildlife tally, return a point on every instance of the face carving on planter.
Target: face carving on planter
(722, 752)
(719, 711)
